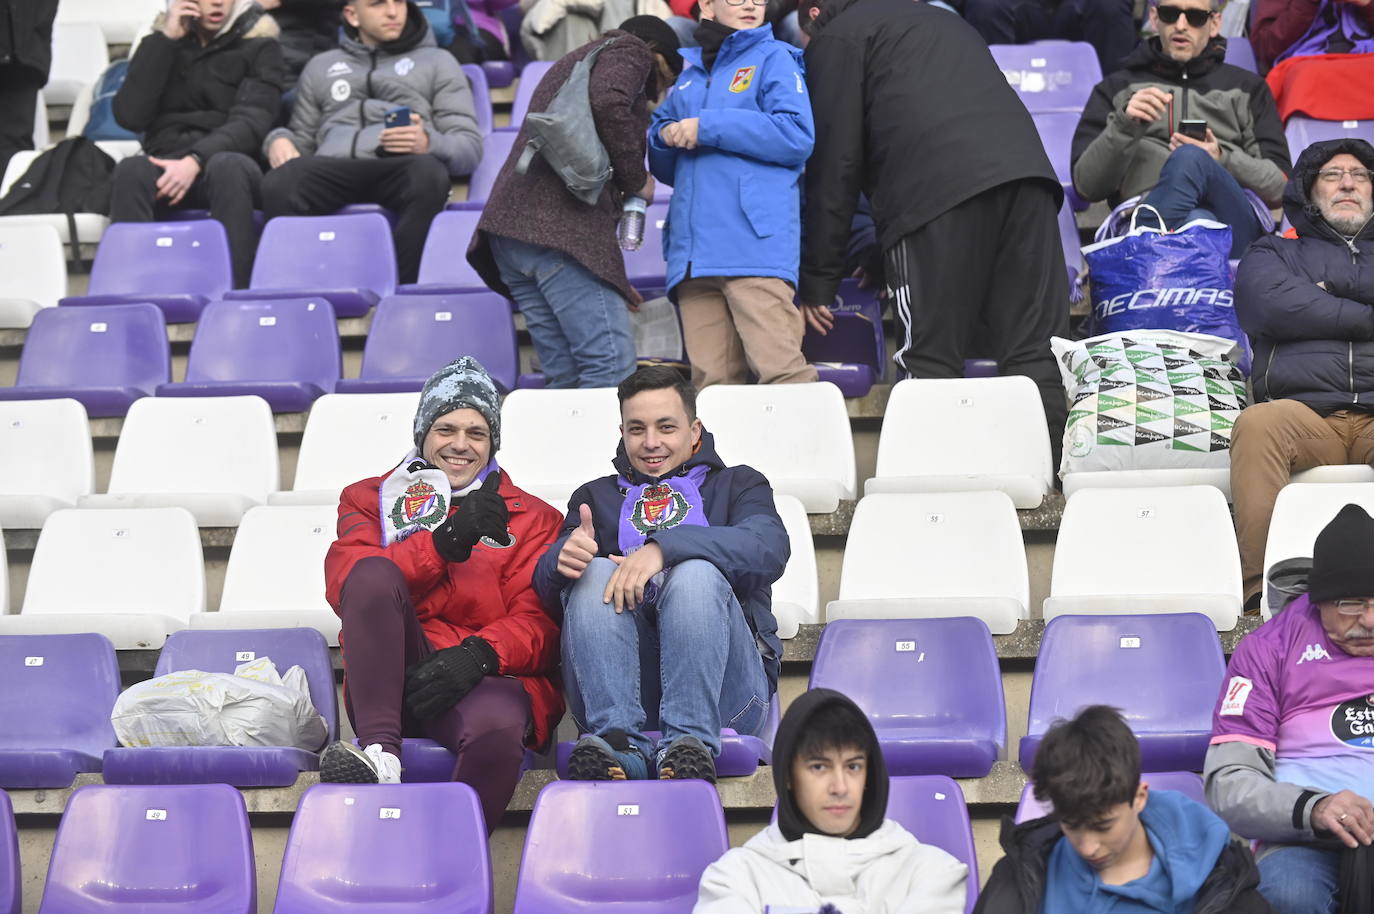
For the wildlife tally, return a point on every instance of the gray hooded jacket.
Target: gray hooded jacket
(344, 95)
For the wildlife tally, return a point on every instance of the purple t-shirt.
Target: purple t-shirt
(1292, 691)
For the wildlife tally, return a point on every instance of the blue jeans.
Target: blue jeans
(688, 663)
(1300, 880)
(1193, 185)
(579, 325)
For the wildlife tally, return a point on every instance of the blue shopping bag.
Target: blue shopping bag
(1152, 279)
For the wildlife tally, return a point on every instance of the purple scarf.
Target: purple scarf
(660, 505)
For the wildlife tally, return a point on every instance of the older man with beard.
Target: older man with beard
(1292, 757)
(1308, 307)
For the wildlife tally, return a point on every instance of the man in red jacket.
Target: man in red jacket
(443, 635)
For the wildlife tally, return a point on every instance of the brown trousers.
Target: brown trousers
(732, 325)
(1270, 442)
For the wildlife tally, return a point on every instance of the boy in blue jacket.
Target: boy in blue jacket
(731, 140)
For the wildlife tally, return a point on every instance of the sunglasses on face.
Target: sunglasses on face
(1169, 15)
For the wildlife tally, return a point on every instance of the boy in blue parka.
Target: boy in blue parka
(731, 139)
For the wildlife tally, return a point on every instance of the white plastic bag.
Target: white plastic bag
(253, 707)
(1149, 400)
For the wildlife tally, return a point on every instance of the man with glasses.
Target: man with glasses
(1291, 763)
(1307, 304)
(1184, 128)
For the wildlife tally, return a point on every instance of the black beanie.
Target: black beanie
(1343, 557)
(658, 35)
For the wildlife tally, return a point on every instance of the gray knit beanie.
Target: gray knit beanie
(462, 383)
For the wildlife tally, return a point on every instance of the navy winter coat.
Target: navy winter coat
(1311, 345)
(736, 208)
(746, 540)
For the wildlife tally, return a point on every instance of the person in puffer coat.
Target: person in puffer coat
(732, 138)
(338, 149)
(1307, 304)
(832, 843)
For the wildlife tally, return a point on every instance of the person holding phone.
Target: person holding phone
(385, 118)
(1184, 128)
(202, 91)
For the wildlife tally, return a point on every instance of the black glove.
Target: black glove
(440, 681)
(480, 513)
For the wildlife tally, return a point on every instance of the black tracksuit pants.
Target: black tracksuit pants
(986, 279)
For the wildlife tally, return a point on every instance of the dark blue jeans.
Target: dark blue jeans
(1300, 880)
(1193, 185)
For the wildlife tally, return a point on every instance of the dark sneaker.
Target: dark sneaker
(609, 759)
(687, 758)
(344, 763)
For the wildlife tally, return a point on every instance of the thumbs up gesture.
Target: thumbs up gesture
(579, 548)
(481, 513)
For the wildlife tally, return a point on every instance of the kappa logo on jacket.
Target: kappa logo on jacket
(338, 68)
(742, 79)
(1313, 652)
(404, 66)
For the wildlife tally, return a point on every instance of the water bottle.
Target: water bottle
(630, 231)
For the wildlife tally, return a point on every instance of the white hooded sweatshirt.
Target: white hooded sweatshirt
(889, 872)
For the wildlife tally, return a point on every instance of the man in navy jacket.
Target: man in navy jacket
(1307, 304)
(663, 577)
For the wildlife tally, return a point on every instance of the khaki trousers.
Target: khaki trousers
(732, 325)
(1270, 442)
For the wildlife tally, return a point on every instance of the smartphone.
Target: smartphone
(397, 117)
(1193, 129)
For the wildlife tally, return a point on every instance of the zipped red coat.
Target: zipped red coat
(489, 595)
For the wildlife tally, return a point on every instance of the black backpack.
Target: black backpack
(72, 177)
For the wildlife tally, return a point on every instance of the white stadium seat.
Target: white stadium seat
(4, 577)
(215, 456)
(932, 555)
(349, 437)
(89, 226)
(796, 595)
(1217, 477)
(46, 459)
(1142, 550)
(1302, 510)
(134, 575)
(119, 20)
(33, 272)
(79, 56)
(553, 441)
(965, 434)
(795, 434)
(275, 577)
(1338, 472)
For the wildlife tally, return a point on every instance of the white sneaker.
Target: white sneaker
(344, 763)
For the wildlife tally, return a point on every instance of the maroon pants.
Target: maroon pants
(382, 637)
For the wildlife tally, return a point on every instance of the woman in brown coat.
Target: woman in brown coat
(556, 256)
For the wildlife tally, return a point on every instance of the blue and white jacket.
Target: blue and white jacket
(736, 206)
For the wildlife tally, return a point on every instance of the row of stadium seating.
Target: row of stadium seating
(932, 688)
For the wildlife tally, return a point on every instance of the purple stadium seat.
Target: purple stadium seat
(1163, 671)
(374, 850)
(530, 76)
(980, 368)
(412, 336)
(178, 266)
(640, 847)
(1239, 53)
(191, 215)
(481, 96)
(219, 651)
(10, 897)
(56, 692)
(1056, 134)
(1304, 131)
(501, 73)
(1185, 782)
(740, 753)
(283, 350)
(1050, 75)
(358, 209)
(646, 268)
(1068, 237)
(348, 260)
(511, 17)
(444, 265)
(932, 808)
(853, 355)
(106, 358)
(931, 687)
(176, 850)
(495, 150)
